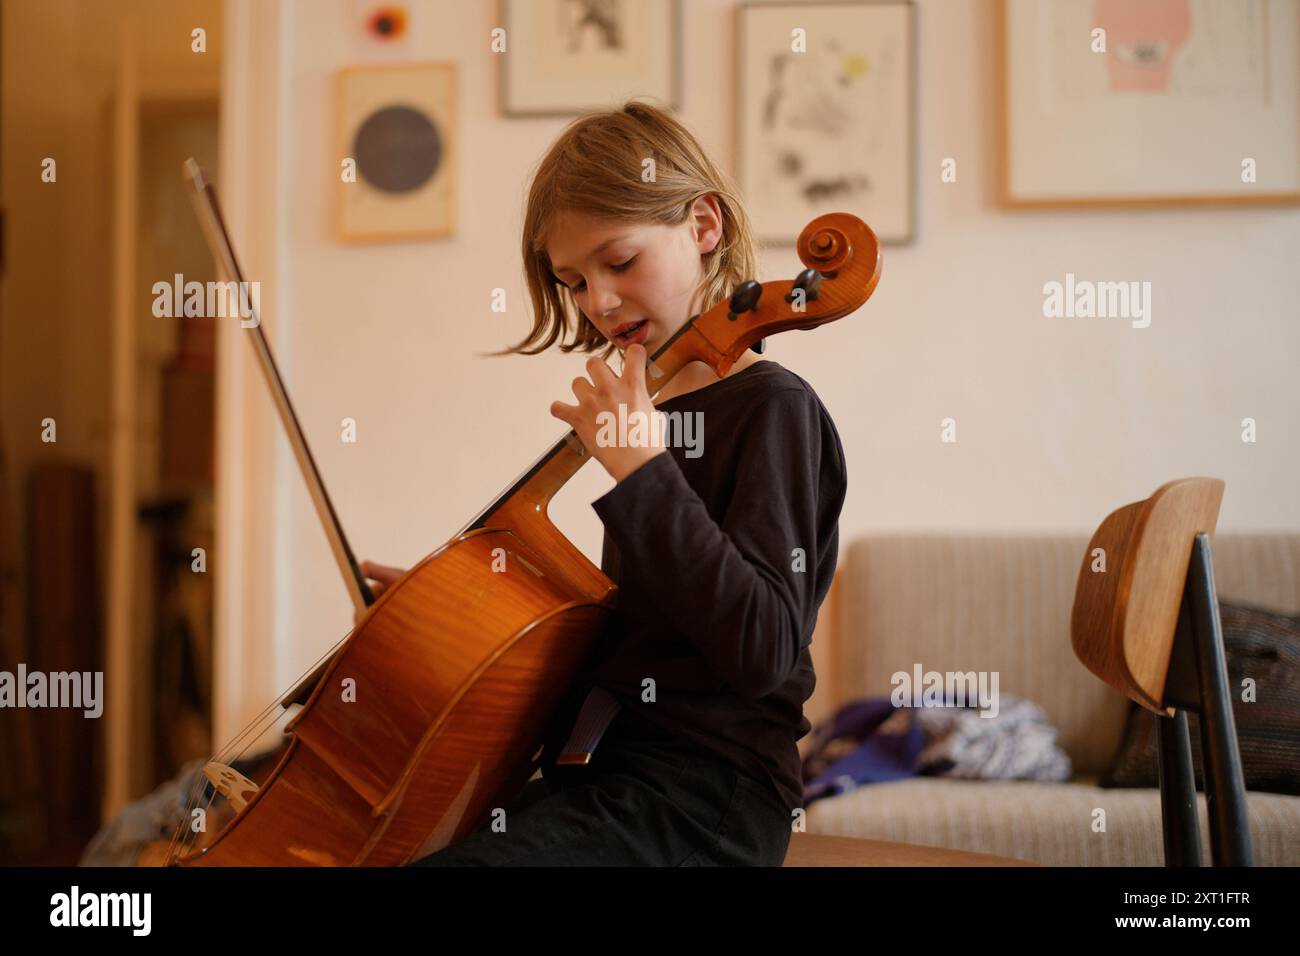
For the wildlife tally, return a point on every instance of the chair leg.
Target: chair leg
(1177, 791)
(1225, 789)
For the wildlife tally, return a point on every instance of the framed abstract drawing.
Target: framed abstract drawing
(564, 57)
(826, 115)
(1150, 103)
(397, 152)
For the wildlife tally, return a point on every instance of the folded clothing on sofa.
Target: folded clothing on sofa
(873, 740)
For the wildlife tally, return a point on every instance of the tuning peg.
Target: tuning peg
(745, 298)
(810, 281)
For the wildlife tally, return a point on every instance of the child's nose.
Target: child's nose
(603, 299)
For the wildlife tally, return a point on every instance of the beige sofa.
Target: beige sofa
(978, 602)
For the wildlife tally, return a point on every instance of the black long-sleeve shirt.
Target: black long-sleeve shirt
(722, 557)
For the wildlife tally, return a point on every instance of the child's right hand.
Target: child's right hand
(380, 576)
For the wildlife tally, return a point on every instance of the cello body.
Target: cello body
(434, 708)
(454, 675)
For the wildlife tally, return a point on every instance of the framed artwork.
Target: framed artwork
(1159, 102)
(564, 57)
(397, 152)
(826, 115)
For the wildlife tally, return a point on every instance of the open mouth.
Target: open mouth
(631, 333)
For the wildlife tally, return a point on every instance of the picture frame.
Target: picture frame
(396, 126)
(567, 57)
(1184, 103)
(831, 127)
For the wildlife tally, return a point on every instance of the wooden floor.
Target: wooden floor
(816, 849)
(809, 849)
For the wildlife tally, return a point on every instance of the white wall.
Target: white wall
(1059, 421)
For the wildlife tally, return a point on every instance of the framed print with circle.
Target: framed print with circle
(565, 57)
(1159, 102)
(826, 114)
(397, 152)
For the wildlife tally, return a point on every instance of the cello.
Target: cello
(402, 738)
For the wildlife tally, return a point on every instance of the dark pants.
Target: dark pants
(646, 799)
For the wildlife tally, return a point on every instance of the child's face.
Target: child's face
(646, 273)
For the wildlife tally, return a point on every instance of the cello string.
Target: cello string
(193, 800)
(187, 814)
(187, 823)
(259, 722)
(270, 708)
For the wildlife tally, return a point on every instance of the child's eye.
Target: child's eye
(617, 267)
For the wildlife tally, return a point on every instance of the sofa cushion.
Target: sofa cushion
(998, 604)
(1056, 824)
(980, 602)
(1263, 646)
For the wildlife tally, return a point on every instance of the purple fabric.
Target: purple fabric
(875, 759)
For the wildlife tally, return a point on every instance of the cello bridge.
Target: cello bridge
(230, 783)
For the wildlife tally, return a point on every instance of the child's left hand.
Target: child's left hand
(604, 393)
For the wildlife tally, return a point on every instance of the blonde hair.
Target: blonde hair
(595, 169)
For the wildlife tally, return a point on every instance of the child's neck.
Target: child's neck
(698, 374)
